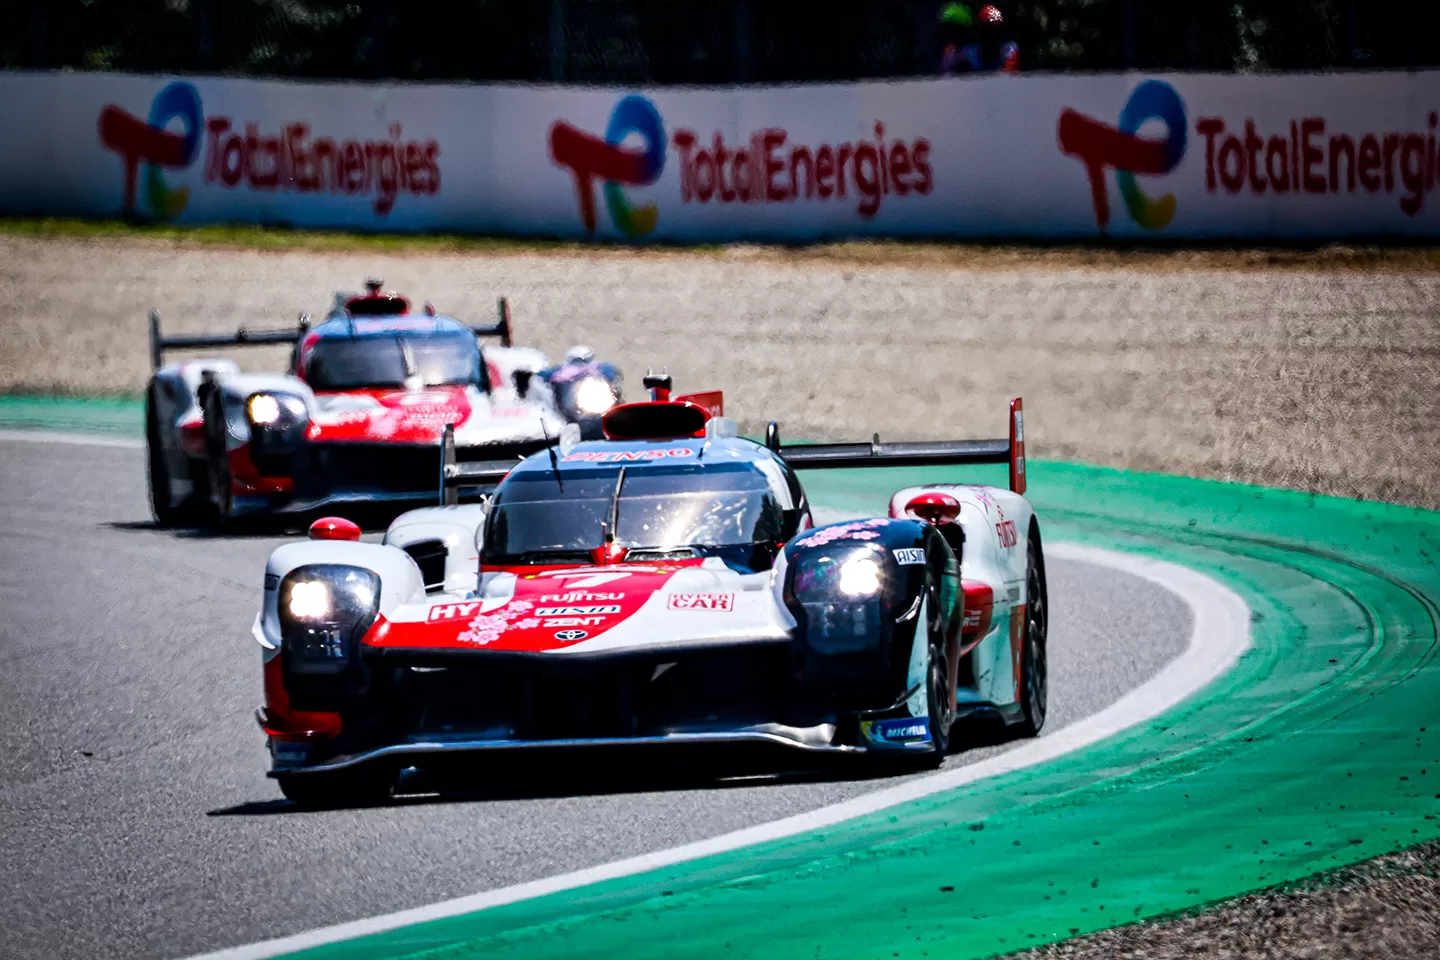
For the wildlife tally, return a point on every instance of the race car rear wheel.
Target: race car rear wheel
(1034, 675)
(343, 788)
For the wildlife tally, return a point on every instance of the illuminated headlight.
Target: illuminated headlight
(309, 600)
(263, 409)
(267, 409)
(859, 577)
(324, 611)
(593, 396)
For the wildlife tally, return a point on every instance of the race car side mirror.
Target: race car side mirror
(522, 381)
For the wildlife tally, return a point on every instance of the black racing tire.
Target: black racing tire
(342, 788)
(937, 678)
(166, 514)
(937, 696)
(217, 462)
(1035, 668)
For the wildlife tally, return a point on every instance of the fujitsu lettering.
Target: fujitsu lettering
(1305, 159)
(767, 171)
(293, 160)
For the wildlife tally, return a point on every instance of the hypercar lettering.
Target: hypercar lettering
(909, 556)
(577, 611)
(453, 611)
(701, 601)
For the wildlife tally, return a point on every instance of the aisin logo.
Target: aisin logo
(589, 157)
(148, 142)
(1099, 146)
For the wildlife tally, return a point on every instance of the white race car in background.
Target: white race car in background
(359, 415)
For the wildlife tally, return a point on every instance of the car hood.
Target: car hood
(591, 610)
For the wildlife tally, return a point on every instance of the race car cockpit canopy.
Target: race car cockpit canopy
(658, 509)
(393, 352)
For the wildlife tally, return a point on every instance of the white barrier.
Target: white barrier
(1170, 156)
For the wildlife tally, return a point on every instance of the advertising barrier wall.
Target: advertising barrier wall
(1127, 156)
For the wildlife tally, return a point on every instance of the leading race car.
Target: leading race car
(664, 586)
(358, 416)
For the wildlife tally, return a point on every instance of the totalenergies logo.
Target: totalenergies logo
(614, 164)
(148, 147)
(1100, 147)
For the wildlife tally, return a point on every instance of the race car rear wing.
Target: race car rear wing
(475, 474)
(915, 454)
(240, 338)
(244, 337)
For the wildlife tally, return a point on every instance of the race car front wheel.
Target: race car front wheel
(217, 457)
(161, 504)
(1034, 674)
(342, 788)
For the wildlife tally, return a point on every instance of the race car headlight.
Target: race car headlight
(842, 596)
(310, 600)
(593, 396)
(324, 610)
(859, 577)
(272, 409)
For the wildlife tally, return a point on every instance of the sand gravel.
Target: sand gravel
(1318, 379)
(1386, 909)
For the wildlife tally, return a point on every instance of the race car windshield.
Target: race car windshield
(539, 520)
(390, 360)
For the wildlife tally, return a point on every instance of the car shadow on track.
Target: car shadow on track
(580, 774)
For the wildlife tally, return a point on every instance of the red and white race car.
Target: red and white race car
(663, 587)
(358, 417)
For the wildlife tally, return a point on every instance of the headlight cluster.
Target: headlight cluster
(593, 396)
(324, 611)
(843, 596)
(274, 409)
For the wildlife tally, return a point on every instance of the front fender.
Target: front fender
(855, 646)
(400, 579)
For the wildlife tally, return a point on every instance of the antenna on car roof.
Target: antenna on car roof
(554, 460)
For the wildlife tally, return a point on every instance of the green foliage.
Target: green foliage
(634, 42)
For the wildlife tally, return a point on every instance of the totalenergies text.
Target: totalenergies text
(771, 169)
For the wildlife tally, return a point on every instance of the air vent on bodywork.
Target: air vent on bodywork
(429, 556)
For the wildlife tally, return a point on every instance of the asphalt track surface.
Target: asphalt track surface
(135, 819)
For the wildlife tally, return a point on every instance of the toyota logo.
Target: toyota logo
(571, 635)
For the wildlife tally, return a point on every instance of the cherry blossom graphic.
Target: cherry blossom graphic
(855, 530)
(488, 627)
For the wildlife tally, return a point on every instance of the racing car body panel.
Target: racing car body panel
(649, 591)
(992, 571)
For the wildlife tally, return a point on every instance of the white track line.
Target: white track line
(71, 439)
(1220, 635)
